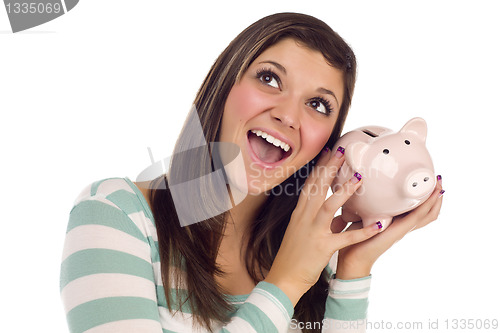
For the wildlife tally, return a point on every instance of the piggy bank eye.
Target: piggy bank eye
(386, 151)
(407, 142)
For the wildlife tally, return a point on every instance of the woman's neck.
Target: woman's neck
(240, 219)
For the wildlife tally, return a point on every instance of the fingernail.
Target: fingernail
(326, 150)
(340, 152)
(356, 178)
(377, 225)
(439, 179)
(441, 193)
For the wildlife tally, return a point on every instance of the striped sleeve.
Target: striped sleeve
(106, 279)
(267, 309)
(346, 306)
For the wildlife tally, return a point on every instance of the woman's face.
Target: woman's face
(289, 95)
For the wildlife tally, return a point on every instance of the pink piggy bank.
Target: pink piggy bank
(396, 167)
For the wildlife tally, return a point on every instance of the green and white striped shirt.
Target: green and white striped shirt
(111, 278)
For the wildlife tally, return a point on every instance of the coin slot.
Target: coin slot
(370, 133)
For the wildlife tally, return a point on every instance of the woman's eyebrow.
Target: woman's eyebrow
(328, 92)
(279, 66)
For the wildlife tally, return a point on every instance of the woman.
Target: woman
(280, 92)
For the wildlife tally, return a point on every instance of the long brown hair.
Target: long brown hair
(194, 248)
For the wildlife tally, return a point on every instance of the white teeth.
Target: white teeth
(273, 140)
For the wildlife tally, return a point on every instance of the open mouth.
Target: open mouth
(267, 148)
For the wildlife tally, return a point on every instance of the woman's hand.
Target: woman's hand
(309, 243)
(356, 261)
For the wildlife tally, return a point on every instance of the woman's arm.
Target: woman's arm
(108, 279)
(312, 237)
(107, 282)
(267, 309)
(346, 305)
(310, 241)
(347, 302)
(348, 299)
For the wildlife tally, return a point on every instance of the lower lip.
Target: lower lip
(263, 164)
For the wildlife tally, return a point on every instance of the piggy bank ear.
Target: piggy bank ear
(354, 154)
(416, 126)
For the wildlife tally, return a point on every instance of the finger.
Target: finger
(311, 178)
(436, 209)
(433, 213)
(333, 166)
(424, 209)
(338, 198)
(355, 225)
(351, 237)
(338, 224)
(325, 172)
(431, 216)
(319, 191)
(320, 179)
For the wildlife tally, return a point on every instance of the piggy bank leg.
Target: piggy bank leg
(384, 220)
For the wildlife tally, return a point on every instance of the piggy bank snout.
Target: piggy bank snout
(419, 183)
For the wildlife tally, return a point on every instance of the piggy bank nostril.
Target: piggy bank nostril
(418, 183)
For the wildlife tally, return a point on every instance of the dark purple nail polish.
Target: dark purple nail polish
(379, 225)
(340, 152)
(439, 178)
(356, 178)
(441, 193)
(326, 150)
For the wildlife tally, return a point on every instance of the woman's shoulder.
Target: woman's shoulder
(117, 192)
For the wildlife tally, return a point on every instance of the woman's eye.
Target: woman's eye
(322, 107)
(269, 79)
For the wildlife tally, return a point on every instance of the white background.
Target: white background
(83, 96)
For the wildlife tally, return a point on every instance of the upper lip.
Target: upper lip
(276, 135)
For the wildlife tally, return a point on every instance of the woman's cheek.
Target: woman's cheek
(245, 101)
(315, 137)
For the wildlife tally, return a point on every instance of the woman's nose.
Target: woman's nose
(288, 114)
